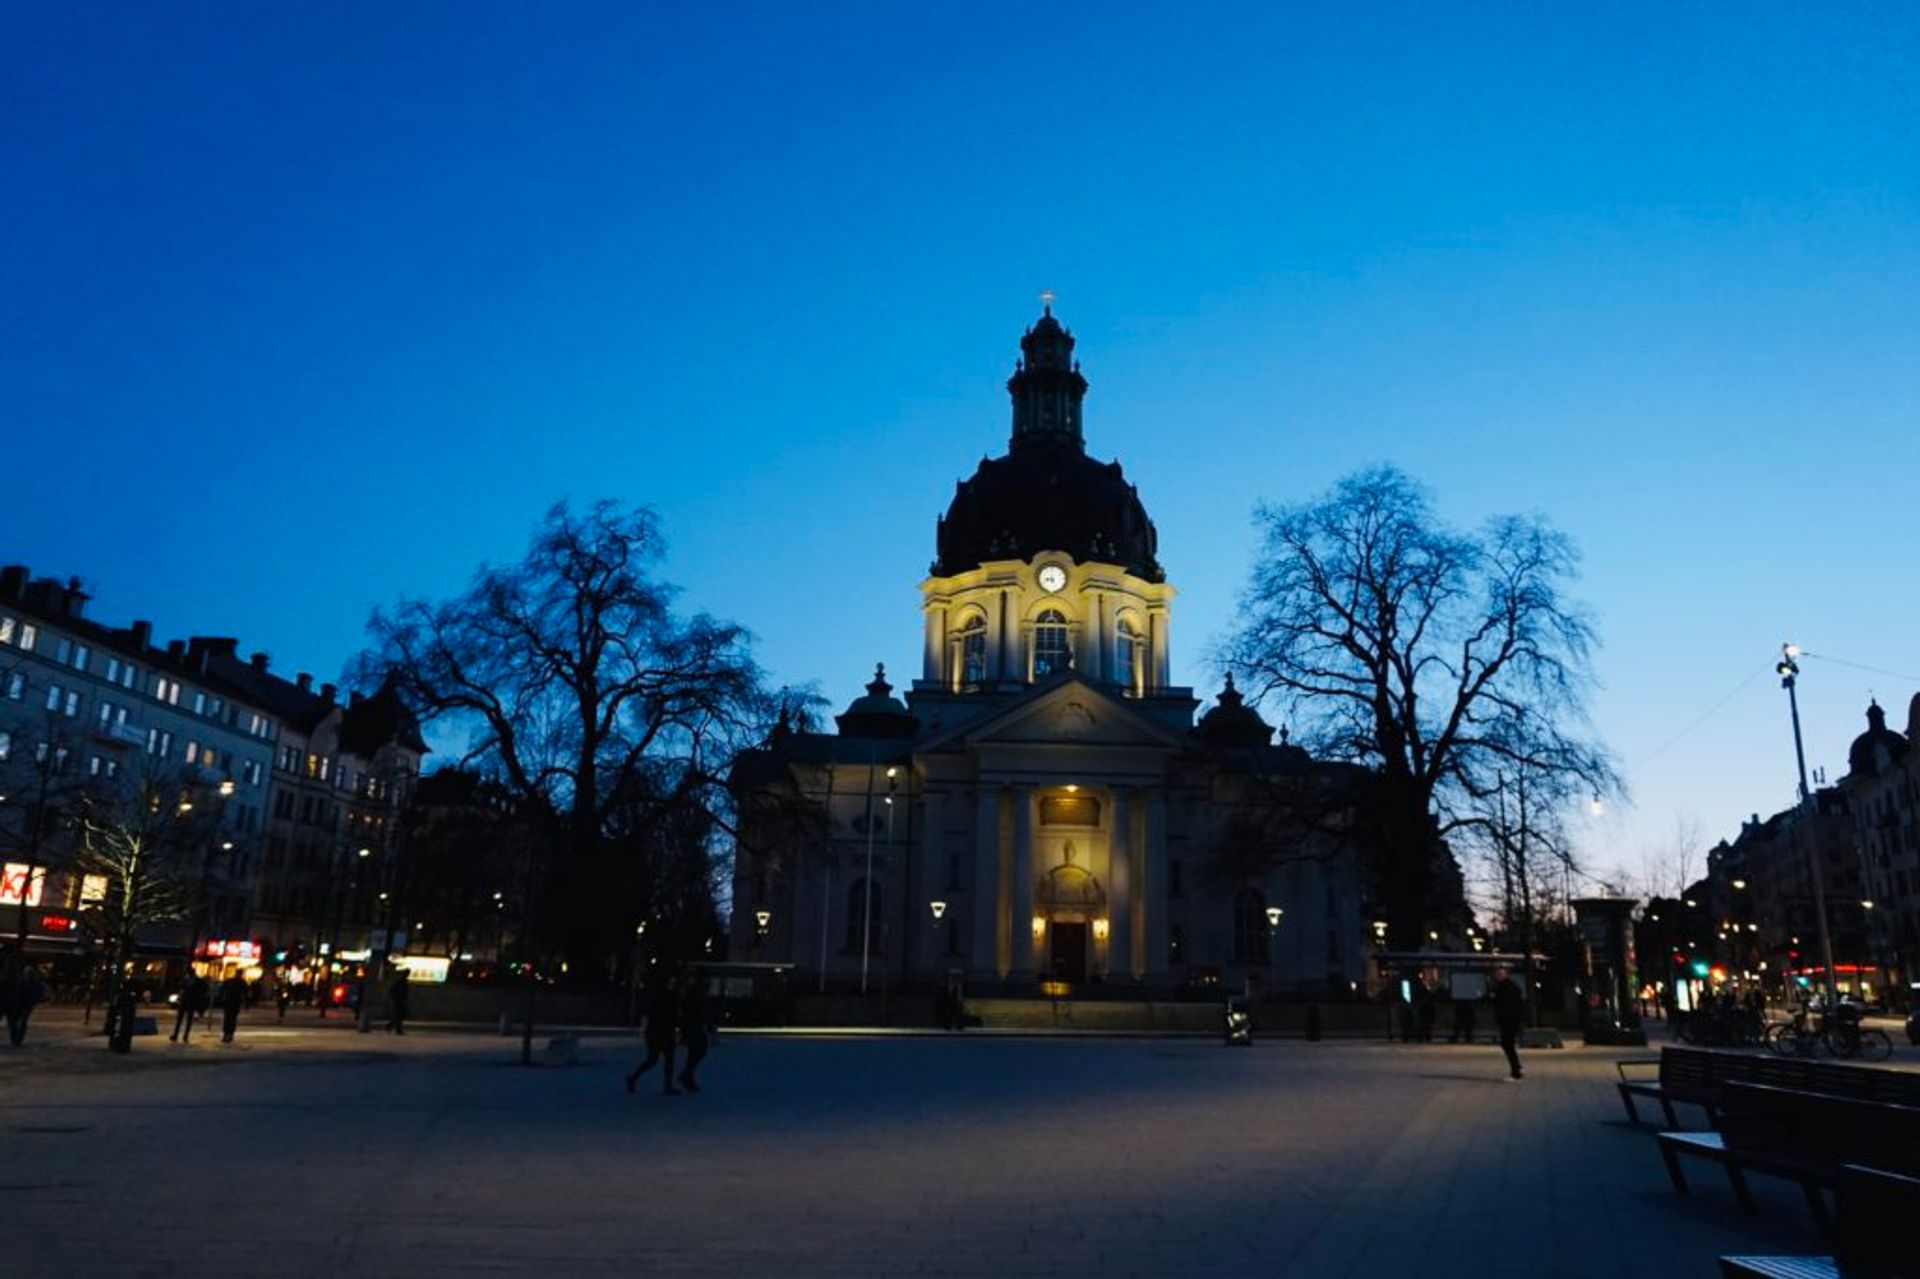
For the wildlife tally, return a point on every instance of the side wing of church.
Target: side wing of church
(1043, 806)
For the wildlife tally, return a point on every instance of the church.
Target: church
(1043, 806)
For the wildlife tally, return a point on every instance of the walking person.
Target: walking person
(194, 1000)
(282, 998)
(21, 996)
(1509, 1014)
(663, 1017)
(233, 997)
(693, 1029)
(397, 996)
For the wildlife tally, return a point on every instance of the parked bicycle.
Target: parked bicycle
(1840, 1033)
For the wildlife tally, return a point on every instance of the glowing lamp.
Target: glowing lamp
(1739, 885)
(226, 788)
(1039, 926)
(763, 917)
(1100, 930)
(1273, 916)
(939, 910)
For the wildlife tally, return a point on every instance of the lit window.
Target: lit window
(6, 630)
(81, 654)
(71, 707)
(28, 634)
(199, 703)
(1128, 647)
(16, 686)
(969, 659)
(6, 746)
(1052, 652)
(53, 697)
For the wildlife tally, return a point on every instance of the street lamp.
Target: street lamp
(1789, 672)
(1739, 885)
(939, 910)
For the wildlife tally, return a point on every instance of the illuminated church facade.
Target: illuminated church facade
(1043, 805)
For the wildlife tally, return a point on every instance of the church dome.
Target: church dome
(1046, 494)
(1864, 756)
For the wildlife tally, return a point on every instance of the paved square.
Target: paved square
(317, 1152)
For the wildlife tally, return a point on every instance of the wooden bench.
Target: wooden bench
(1803, 1137)
(1696, 1077)
(1869, 1205)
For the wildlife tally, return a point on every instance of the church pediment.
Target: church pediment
(1072, 713)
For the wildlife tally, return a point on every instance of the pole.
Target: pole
(1526, 906)
(1788, 670)
(866, 885)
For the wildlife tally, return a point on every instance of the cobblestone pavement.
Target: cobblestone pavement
(318, 1152)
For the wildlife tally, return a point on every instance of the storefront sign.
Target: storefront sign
(246, 952)
(17, 880)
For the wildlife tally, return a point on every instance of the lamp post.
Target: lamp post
(1789, 672)
(866, 895)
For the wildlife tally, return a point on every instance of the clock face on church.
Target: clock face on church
(1052, 577)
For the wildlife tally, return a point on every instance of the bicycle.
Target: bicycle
(1841, 1035)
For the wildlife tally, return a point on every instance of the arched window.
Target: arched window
(1052, 652)
(1129, 646)
(868, 938)
(1250, 928)
(968, 661)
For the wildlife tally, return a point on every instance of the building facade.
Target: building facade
(1042, 804)
(89, 713)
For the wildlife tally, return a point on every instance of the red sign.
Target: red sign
(57, 923)
(244, 951)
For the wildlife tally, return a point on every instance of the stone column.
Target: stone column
(934, 664)
(1093, 660)
(1120, 888)
(1153, 889)
(983, 895)
(1020, 924)
(1158, 675)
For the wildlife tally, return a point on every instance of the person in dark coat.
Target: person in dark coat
(693, 1029)
(282, 998)
(194, 1000)
(663, 1018)
(1509, 1014)
(397, 997)
(20, 995)
(233, 997)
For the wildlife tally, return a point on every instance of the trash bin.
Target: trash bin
(1239, 1022)
(121, 1038)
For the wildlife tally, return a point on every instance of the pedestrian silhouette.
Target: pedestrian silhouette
(1509, 1013)
(233, 997)
(195, 999)
(282, 997)
(21, 991)
(663, 1016)
(397, 997)
(693, 1029)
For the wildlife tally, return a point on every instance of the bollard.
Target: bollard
(1313, 1023)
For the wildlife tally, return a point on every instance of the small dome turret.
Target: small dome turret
(1232, 723)
(1877, 747)
(879, 713)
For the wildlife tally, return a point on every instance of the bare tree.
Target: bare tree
(1440, 659)
(586, 694)
(141, 843)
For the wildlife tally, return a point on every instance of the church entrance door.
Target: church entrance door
(1069, 941)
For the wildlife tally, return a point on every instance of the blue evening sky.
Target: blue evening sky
(308, 306)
